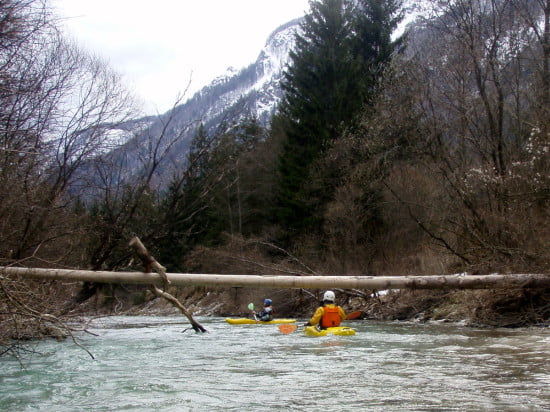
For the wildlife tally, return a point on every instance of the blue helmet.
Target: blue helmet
(267, 302)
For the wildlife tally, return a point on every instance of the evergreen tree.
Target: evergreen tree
(216, 193)
(236, 197)
(374, 23)
(316, 100)
(338, 57)
(185, 208)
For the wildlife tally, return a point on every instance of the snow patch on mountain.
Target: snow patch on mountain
(253, 90)
(257, 86)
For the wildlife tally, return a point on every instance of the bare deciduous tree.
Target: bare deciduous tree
(58, 105)
(477, 122)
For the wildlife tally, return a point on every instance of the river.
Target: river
(154, 364)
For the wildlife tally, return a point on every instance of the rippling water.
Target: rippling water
(149, 363)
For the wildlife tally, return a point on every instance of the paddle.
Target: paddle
(287, 328)
(354, 315)
(251, 308)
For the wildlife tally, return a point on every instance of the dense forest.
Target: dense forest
(418, 154)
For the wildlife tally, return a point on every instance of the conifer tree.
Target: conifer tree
(315, 87)
(184, 206)
(339, 54)
(374, 23)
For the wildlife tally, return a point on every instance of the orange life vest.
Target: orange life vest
(331, 317)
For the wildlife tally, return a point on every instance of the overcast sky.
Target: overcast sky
(158, 46)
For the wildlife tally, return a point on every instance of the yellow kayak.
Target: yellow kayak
(246, 321)
(338, 330)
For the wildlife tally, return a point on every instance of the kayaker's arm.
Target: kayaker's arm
(316, 318)
(342, 313)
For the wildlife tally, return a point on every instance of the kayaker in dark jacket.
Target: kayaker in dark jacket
(266, 314)
(329, 314)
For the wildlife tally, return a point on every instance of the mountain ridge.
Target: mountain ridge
(254, 90)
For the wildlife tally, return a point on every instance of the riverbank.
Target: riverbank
(477, 308)
(473, 308)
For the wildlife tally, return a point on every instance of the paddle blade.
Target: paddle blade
(287, 328)
(354, 315)
(251, 306)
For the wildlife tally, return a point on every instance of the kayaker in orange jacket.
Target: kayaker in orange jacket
(329, 314)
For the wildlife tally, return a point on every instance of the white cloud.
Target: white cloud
(159, 46)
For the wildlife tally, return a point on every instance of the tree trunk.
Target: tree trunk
(493, 281)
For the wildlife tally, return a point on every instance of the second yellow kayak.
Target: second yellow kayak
(246, 321)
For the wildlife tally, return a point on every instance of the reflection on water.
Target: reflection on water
(146, 363)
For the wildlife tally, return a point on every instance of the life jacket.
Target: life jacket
(331, 317)
(266, 314)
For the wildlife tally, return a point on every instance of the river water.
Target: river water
(151, 363)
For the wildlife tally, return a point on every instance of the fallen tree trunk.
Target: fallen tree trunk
(493, 281)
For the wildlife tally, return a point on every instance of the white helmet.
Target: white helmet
(329, 296)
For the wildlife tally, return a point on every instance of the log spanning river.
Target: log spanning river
(151, 364)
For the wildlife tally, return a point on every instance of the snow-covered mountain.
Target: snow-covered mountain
(253, 90)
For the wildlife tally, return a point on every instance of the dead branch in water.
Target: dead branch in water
(149, 262)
